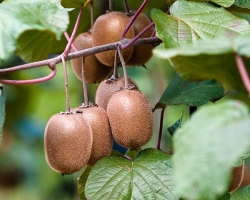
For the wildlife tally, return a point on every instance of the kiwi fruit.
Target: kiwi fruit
(67, 143)
(131, 119)
(102, 137)
(141, 53)
(107, 29)
(237, 177)
(108, 87)
(95, 72)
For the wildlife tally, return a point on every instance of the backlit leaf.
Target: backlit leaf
(210, 59)
(19, 16)
(190, 21)
(207, 147)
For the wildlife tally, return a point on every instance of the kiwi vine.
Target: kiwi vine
(121, 113)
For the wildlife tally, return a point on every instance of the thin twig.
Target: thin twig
(160, 129)
(132, 19)
(91, 14)
(243, 72)
(66, 51)
(126, 6)
(66, 83)
(123, 67)
(81, 53)
(68, 39)
(138, 36)
(110, 5)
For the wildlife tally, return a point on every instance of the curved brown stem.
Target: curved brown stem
(81, 53)
(31, 81)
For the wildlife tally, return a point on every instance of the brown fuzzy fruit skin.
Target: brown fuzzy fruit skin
(67, 143)
(108, 87)
(237, 177)
(130, 118)
(141, 53)
(107, 29)
(94, 70)
(102, 137)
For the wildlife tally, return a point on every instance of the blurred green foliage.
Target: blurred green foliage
(29, 107)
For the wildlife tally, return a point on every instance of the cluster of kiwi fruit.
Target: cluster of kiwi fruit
(122, 112)
(107, 29)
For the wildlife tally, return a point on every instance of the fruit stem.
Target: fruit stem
(126, 6)
(72, 37)
(192, 109)
(91, 14)
(31, 81)
(132, 19)
(123, 66)
(160, 129)
(115, 74)
(138, 36)
(243, 72)
(84, 85)
(110, 5)
(72, 45)
(66, 83)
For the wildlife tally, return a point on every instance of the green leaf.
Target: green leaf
(240, 161)
(242, 3)
(225, 197)
(81, 182)
(2, 109)
(72, 3)
(236, 9)
(224, 3)
(183, 92)
(19, 16)
(241, 194)
(210, 59)
(207, 147)
(148, 177)
(132, 153)
(191, 21)
(172, 129)
(45, 43)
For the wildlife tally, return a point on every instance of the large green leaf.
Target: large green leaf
(81, 182)
(191, 21)
(210, 59)
(224, 3)
(207, 147)
(183, 92)
(2, 109)
(241, 194)
(242, 3)
(148, 177)
(19, 16)
(72, 3)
